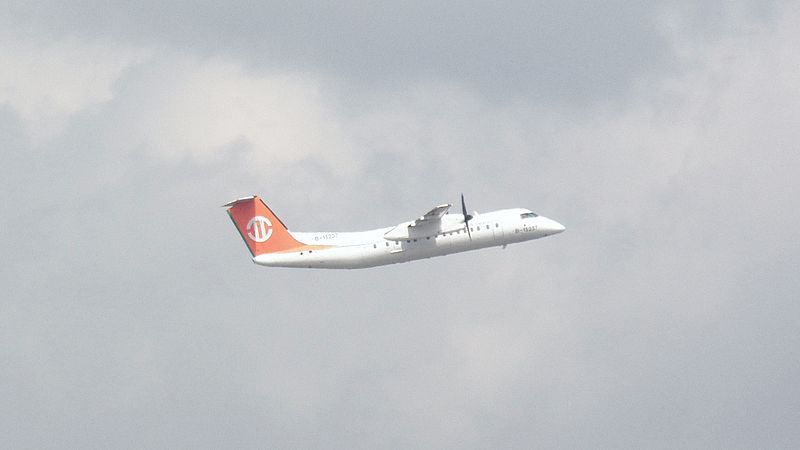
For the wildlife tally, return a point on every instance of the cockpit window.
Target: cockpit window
(528, 215)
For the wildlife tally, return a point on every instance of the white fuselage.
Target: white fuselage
(352, 250)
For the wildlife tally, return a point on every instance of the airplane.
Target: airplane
(435, 233)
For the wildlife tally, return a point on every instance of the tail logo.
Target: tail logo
(259, 229)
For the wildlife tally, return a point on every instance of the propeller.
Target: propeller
(467, 217)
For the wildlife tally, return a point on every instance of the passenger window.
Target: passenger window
(387, 244)
(374, 245)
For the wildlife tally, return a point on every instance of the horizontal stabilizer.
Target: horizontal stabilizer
(238, 200)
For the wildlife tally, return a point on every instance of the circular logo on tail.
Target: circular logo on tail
(259, 229)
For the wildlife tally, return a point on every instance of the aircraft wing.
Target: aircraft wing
(432, 216)
(426, 225)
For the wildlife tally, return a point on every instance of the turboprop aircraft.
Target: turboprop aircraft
(435, 233)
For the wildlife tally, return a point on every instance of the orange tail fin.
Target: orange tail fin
(260, 228)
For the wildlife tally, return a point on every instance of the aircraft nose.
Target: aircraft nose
(554, 227)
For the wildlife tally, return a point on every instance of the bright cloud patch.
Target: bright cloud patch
(200, 108)
(172, 107)
(45, 82)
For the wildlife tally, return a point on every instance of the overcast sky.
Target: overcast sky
(664, 135)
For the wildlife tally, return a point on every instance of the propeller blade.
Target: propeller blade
(467, 217)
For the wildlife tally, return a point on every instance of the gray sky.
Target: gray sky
(663, 135)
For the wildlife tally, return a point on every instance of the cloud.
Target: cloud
(665, 314)
(557, 53)
(200, 108)
(45, 81)
(181, 108)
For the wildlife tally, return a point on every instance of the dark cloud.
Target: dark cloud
(573, 52)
